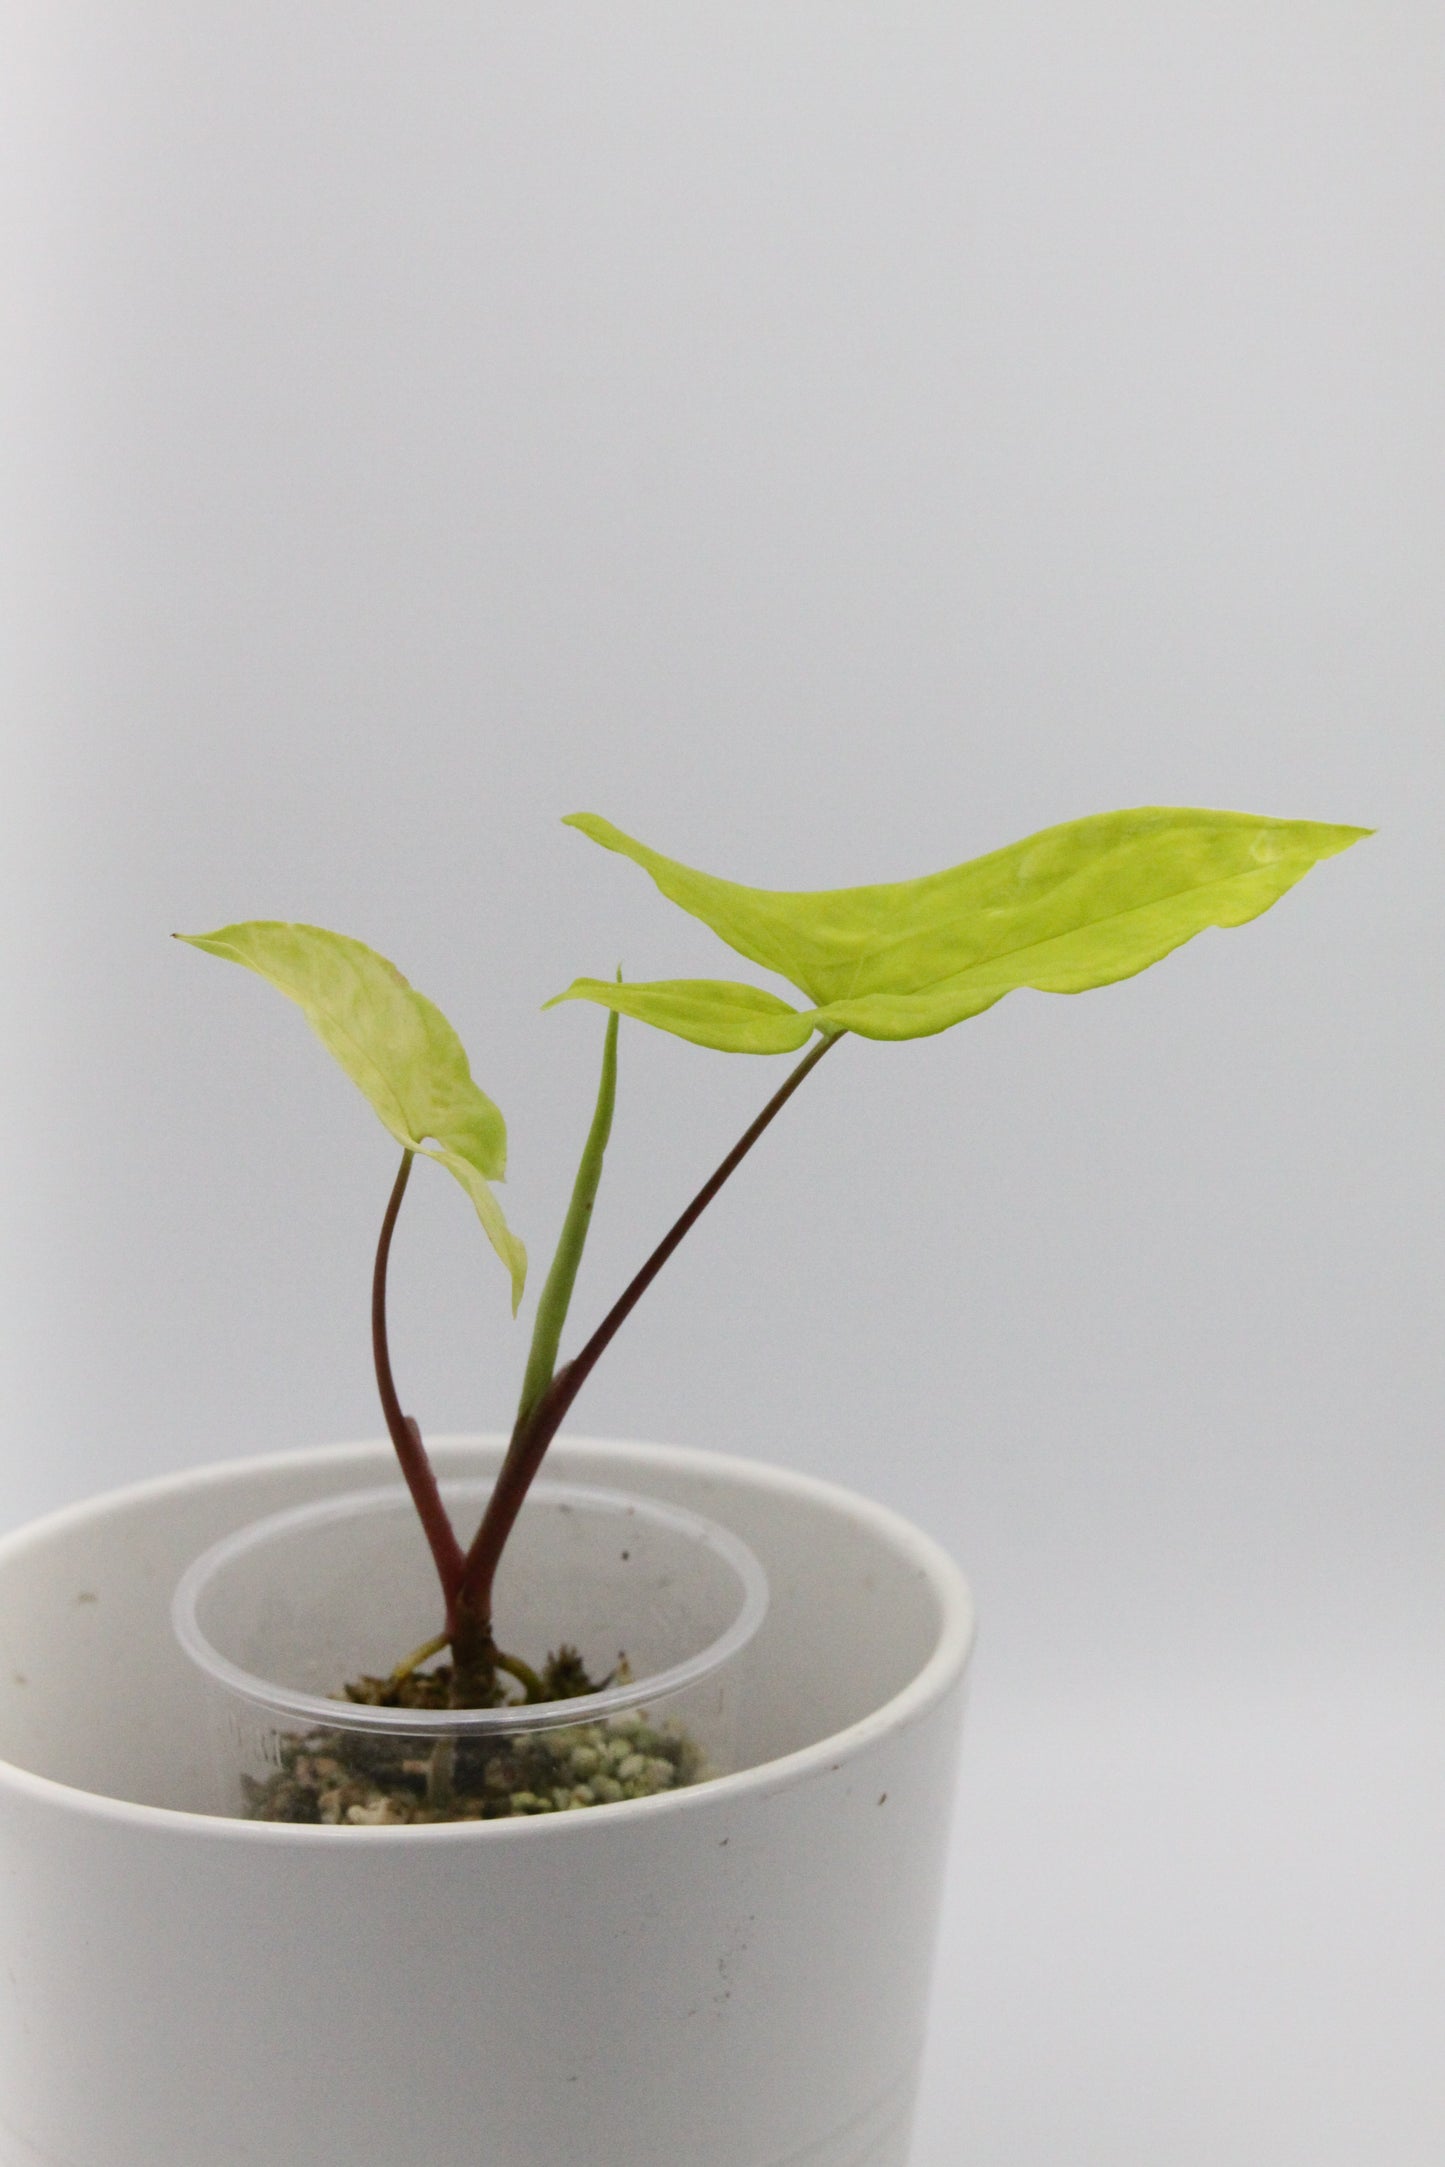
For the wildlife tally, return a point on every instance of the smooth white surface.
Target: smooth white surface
(734, 1974)
(830, 442)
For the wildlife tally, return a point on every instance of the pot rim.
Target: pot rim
(940, 1673)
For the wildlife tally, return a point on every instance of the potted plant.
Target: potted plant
(406, 1935)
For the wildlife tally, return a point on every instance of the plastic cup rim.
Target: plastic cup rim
(314, 1710)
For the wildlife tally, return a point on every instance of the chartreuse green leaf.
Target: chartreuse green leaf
(1073, 907)
(396, 1045)
(709, 1011)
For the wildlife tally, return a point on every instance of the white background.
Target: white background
(830, 441)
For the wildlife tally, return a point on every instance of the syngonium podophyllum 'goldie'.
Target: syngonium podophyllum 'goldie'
(1074, 907)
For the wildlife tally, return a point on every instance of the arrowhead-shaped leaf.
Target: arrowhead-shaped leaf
(710, 1011)
(1073, 907)
(396, 1045)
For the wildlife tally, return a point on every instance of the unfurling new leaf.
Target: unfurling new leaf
(1071, 908)
(396, 1045)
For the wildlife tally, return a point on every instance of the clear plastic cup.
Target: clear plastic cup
(281, 1617)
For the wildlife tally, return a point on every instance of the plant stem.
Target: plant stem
(405, 1435)
(418, 1656)
(538, 1424)
(551, 1317)
(524, 1674)
(557, 1293)
(580, 1368)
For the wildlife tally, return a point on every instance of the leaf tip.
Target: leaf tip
(209, 943)
(1339, 838)
(594, 826)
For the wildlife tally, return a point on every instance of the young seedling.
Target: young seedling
(1075, 907)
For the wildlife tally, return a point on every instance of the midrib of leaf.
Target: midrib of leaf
(1115, 917)
(1037, 945)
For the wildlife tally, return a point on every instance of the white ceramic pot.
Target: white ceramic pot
(733, 1975)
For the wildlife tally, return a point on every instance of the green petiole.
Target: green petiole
(556, 1295)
